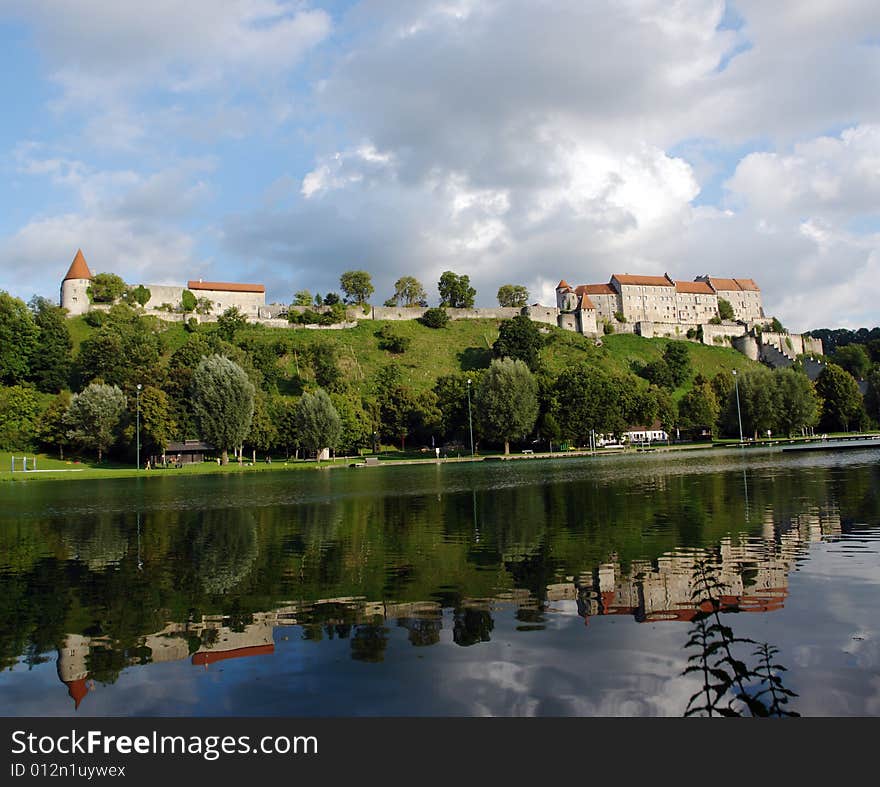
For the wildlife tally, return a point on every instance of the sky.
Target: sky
(515, 141)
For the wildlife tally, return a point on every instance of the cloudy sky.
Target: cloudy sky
(517, 141)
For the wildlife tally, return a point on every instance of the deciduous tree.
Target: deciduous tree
(456, 291)
(507, 401)
(513, 295)
(318, 424)
(94, 417)
(357, 286)
(223, 403)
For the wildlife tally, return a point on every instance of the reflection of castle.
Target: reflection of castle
(751, 575)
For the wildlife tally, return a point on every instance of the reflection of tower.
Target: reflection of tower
(72, 669)
(74, 288)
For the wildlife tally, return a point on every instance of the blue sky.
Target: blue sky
(517, 141)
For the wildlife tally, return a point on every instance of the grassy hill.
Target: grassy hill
(463, 345)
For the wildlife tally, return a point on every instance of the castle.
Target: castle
(649, 306)
(214, 296)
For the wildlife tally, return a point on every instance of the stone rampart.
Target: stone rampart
(726, 332)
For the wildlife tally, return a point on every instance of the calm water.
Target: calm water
(572, 587)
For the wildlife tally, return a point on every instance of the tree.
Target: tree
(230, 323)
(392, 341)
(435, 318)
(106, 288)
(302, 298)
(331, 299)
(317, 422)
(188, 302)
(759, 402)
(513, 295)
(408, 291)
(699, 407)
(323, 356)
(776, 326)
(725, 310)
(50, 367)
(658, 373)
(588, 398)
(854, 359)
(507, 401)
(452, 392)
(94, 417)
(798, 403)
(223, 403)
(139, 295)
(52, 428)
(872, 400)
(19, 338)
(456, 291)
(357, 286)
(842, 404)
(157, 419)
(520, 339)
(19, 414)
(678, 359)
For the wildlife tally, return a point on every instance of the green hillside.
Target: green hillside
(463, 345)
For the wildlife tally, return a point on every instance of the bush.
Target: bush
(435, 318)
(619, 316)
(691, 333)
(391, 341)
(715, 321)
(95, 318)
(607, 328)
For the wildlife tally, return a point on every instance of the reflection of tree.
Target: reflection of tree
(422, 631)
(730, 687)
(224, 546)
(98, 541)
(472, 626)
(369, 643)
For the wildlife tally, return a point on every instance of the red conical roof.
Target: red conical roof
(78, 268)
(77, 689)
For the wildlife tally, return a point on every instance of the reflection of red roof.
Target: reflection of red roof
(209, 657)
(596, 289)
(77, 689)
(645, 281)
(224, 286)
(78, 268)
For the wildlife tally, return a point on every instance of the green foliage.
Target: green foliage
(391, 341)
(356, 421)
(435, 318)
(331, 316)
(188, 302)
(52, 426)
(331, 299)
(513, 295)
(139, 295)
(759, 403)
(19, 340)
(725, 310)
(317, 422)
(590, 398)
(620, 317)
(204, 306)
(95, 416)
(607, 328)
(699, 407)
(452, 400)
(19, 417)
(263, 432)
(50, 367)
(854, 359)
(157, 419)
(677, 357)
(357, 286)
(798, 403)
(507, 401)
(302, 298)
(777, 326)
(223, 403)
(323, 357)
(872, 399)
(842, 404)
(658, 373)
(106, 288)
(230, 323)
(520, 339)
(715, 321)
(456, 291)
(408, 291)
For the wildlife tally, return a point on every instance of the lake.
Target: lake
(565, 587)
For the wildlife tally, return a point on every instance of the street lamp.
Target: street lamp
(738, 414)
(138, 418)
(470, 419)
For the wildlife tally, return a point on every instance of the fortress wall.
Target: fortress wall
(787, 344)
(160, 293)
(667, 330)
(724, 330)
(415, 312)
(813, 346)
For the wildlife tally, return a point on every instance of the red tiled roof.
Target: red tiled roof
(224, 286)
(724, 284)
(595, 289)
(77, 690)
(644, 281)
(694, 287)
(563, 285)
(78, 268)
(586, 303)
(748, 285)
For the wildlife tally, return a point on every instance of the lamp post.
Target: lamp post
(138, 419)
(470, 419)
(738, 414)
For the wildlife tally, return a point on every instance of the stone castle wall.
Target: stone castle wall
(727, 332)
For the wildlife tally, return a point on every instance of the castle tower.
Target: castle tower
(74, 295)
